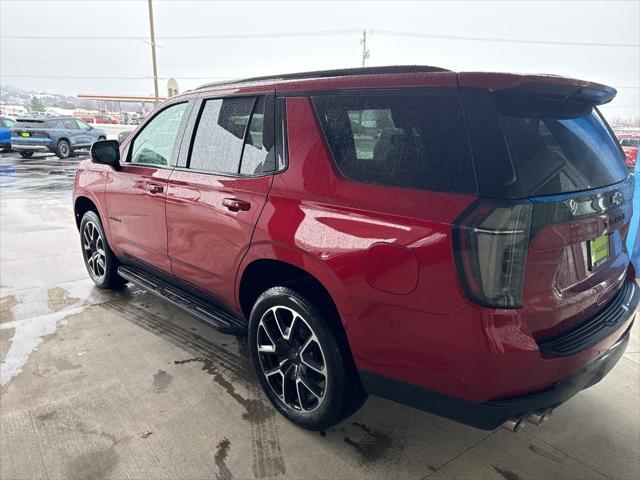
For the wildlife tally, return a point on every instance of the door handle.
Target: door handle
(236, 205)
(154, 188)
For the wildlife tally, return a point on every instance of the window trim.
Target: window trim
(281, 134)
(246, 131)
(171, 164)
(424, 91)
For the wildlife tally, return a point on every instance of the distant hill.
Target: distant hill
(15, 96)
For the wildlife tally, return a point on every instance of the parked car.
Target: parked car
(5, 133)
(106, 120)
(59, 135)
(630, 143)
(450, 241)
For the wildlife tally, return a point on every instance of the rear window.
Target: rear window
(30, 124)
(552, 154)
(414, 141)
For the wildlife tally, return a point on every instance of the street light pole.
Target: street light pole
(153, 52)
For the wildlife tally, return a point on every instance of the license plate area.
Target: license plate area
(598, 251)
(25, 134)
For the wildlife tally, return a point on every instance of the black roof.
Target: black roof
(341, 72)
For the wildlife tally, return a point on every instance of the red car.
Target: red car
(450, 241)
(630, 143)
(106, 120)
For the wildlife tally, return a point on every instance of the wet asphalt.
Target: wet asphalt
(97, 384)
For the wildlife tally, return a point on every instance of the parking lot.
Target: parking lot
(97, 384)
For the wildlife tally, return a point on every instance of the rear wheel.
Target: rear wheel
(299, 362)
(63, 150)
(101, 264)
(26, 154)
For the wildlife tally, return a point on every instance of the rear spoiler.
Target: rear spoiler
(549, 87)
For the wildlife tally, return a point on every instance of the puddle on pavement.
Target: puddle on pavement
(222, 450)
(41, 173)
(32, 326)
(370, 444)
(161, 381)
(28, 335)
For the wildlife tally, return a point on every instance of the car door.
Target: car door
(136, 191)
(85, 137)
(72, 132)
(214, 200)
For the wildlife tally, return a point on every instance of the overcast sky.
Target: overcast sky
(123, 66)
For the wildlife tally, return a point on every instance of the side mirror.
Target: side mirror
(106, 152)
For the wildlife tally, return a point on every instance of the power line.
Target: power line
(109, 78)
(397, 33)
(223, 36)
(394, 33)
(119, 64)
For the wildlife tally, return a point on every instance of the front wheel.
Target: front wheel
(299, 362)
(63, 150)
(100, 261)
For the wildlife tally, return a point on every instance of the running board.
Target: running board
(213, 315)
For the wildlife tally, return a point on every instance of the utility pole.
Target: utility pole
(363, 42)
(153, 52)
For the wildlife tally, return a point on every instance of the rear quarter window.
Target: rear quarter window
(406, 140)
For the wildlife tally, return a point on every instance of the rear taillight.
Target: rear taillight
(40, 134)
(491, 240)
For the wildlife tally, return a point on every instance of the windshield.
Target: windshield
(552, 154)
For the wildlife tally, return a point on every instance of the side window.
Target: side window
(217, 144)
(155, 143)
(82, 125)
(70, 124)
(625, 142)
(415, 141)
(258, 155)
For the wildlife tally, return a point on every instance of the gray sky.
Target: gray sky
(123, 66)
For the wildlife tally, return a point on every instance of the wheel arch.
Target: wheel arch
(82, 205)
(261, 274)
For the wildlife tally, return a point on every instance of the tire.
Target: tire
(63, 149)
(26, 154)
(101, 263)
(299, 362)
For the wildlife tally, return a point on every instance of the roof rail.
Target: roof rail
(340, 72)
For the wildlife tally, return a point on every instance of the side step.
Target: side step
(213, 315)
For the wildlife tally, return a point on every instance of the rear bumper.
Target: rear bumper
(492, 414)
(30, 148)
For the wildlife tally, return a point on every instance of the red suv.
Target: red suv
(630, 143)
(451, 241)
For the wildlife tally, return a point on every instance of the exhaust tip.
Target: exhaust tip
(515, 424)
(538, 418)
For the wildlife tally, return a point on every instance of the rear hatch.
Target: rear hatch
(548, 235)
(29, 129)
